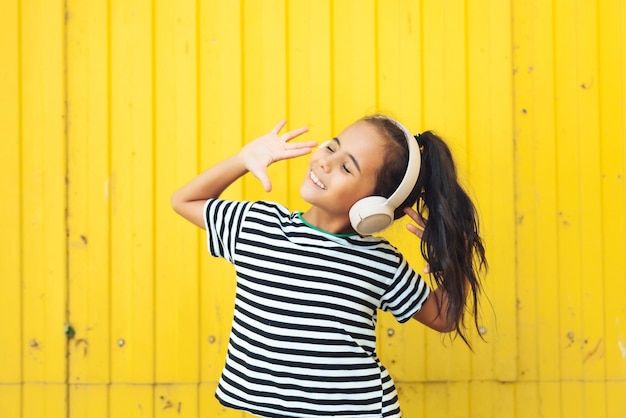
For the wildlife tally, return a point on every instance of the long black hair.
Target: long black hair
(451, 243)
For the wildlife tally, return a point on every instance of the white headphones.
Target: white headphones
(375, 213)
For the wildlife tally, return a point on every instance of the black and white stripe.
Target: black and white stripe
(303, 341)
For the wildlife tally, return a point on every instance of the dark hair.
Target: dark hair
(451, 243)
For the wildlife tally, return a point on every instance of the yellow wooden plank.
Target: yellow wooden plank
(210, 407)
(176, 401)
(131, 401)
(88, 400)
(542, 190)
(569, 217)
(411, 397)
(491, 399)
(11, 396)
(44, 400)
(525, 205)
(444, 86)
(10, 210)
(482, 399)
(505, 399)
(594, 398)
(216, 313)
(527, 399)
(444, 111)
(176, 269)
(401, 348)
(220, 136)
(447, 399)
(221, 88)
(399, 62)
(612, 67)
(536, 193)
(43, 184)
(458, 398)
(88, 192)
(398, 90)
(616, 401)
(490, 168)
(590, 193)
(572, 399)
(550, 398)
(353, 46)
(264, 69)
(132, 183)
(309, 82)
(579, 192)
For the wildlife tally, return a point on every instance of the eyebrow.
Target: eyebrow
(356, 163)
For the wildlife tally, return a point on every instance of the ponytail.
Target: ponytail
(451, 243)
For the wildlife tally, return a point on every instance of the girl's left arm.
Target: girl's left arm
(434, 311)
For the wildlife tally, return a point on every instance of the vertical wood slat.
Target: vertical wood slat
(490, 168)
(444, 109)
(177, 342)
(264, 77)
(309, 82)
(88, 200)
(43, 226)
(353, 61)
(132, 188)
(398, 64)
(220, 135)
(612, 129)
(11, 340)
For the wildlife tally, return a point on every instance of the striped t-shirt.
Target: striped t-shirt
(303, 340)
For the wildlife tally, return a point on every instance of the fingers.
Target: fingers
(288, 136)
(261, 174)
(413, 214)
(417, 230)
(278, 127)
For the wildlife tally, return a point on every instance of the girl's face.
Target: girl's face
(344, 169)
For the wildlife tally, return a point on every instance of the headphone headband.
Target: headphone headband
(412, 169)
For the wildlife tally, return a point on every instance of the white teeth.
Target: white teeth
(317, 181)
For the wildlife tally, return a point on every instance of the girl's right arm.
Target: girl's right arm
(255, 157)
(189, 200)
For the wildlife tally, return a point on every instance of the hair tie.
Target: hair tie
(420, 141)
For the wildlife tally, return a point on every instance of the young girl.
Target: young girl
(303, 340)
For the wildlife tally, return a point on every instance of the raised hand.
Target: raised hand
(417, 230)
(272, 147)
(417, 218)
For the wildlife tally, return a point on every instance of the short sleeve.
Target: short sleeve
(223, 220)
(406, 293)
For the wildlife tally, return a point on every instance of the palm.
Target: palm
(272, 147)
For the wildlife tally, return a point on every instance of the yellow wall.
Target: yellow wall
(107, 106)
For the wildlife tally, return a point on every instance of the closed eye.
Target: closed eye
(344, 166)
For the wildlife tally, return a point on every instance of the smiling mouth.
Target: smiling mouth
(317, 181)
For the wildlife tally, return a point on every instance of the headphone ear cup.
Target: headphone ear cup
(371, 215)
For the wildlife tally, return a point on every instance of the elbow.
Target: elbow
(443, 326)
(437, 322)
(176, 202)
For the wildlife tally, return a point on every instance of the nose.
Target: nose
(325, 164)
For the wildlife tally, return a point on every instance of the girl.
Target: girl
(303, 341)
